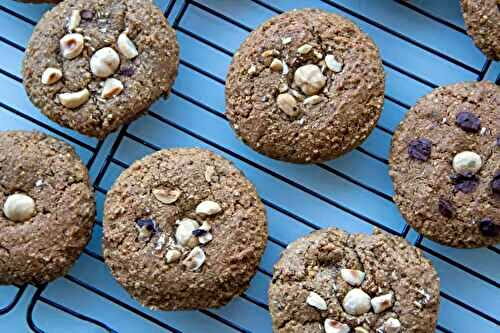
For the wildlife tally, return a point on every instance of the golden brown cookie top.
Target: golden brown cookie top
(93, 65)
(445, 165)
(305, 86)
(332, 281)
(482, 18)
(183, 229)
(48, 207)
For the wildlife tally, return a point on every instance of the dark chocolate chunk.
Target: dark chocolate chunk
(489, 228)
(468, 121)
(420, 149)
(149, 224)
(446, 208)
(199, 232)
(127, 71)
(86, 14)
(466, 183)
(495, 183)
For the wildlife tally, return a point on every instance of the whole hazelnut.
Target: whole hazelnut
(19, 207)
(310, 79)
(467, 161)
(104, 62)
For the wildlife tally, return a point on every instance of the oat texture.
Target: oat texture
(150, 243)
(434, 197)
(482, 18)
(390, 266)
(47, 170)
(85, 27)
(306, 86)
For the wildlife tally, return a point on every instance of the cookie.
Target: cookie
(183, 229)
(445, 165)
(482, 18)
(94, 65)
(334, 282)
(48, 207)
(304, 87)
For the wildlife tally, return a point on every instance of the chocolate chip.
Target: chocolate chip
(87, 14)
(468, 121)
(149, 224)
(127, 71)
(466, 183)
(199, 232)
(446, 208)
(495, 183)
(420, 149)
(489, 228)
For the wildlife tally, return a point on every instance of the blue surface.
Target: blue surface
(423, 45)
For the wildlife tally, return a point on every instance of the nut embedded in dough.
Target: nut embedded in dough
(310, 79)
(126, 47)
(104, 62)
(74, 99)
(19, 207)
(71, 45)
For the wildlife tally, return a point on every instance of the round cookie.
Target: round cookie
(445, 162)
(183, 229)
(48, 207)
(334, 282)
(305, 87)
(482, 18)
(94, 65)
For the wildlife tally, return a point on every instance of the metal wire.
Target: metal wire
(14, 301)
(124, 133)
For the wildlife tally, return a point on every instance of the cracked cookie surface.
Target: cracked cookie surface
(183, 229)
(445, 165)
(97, 91)
(325, 262)
(43, 244)
(306, 86)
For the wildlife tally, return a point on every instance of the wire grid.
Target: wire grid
(111, 160)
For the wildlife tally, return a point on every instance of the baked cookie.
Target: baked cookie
(183, 229)
(48, 207)
(93, 65)
(445, 165)
(331, 281)
(482, 18)
(304, 87)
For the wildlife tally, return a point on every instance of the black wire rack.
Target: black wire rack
(104, 155)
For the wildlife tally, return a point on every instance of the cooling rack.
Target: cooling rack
(423, 45)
